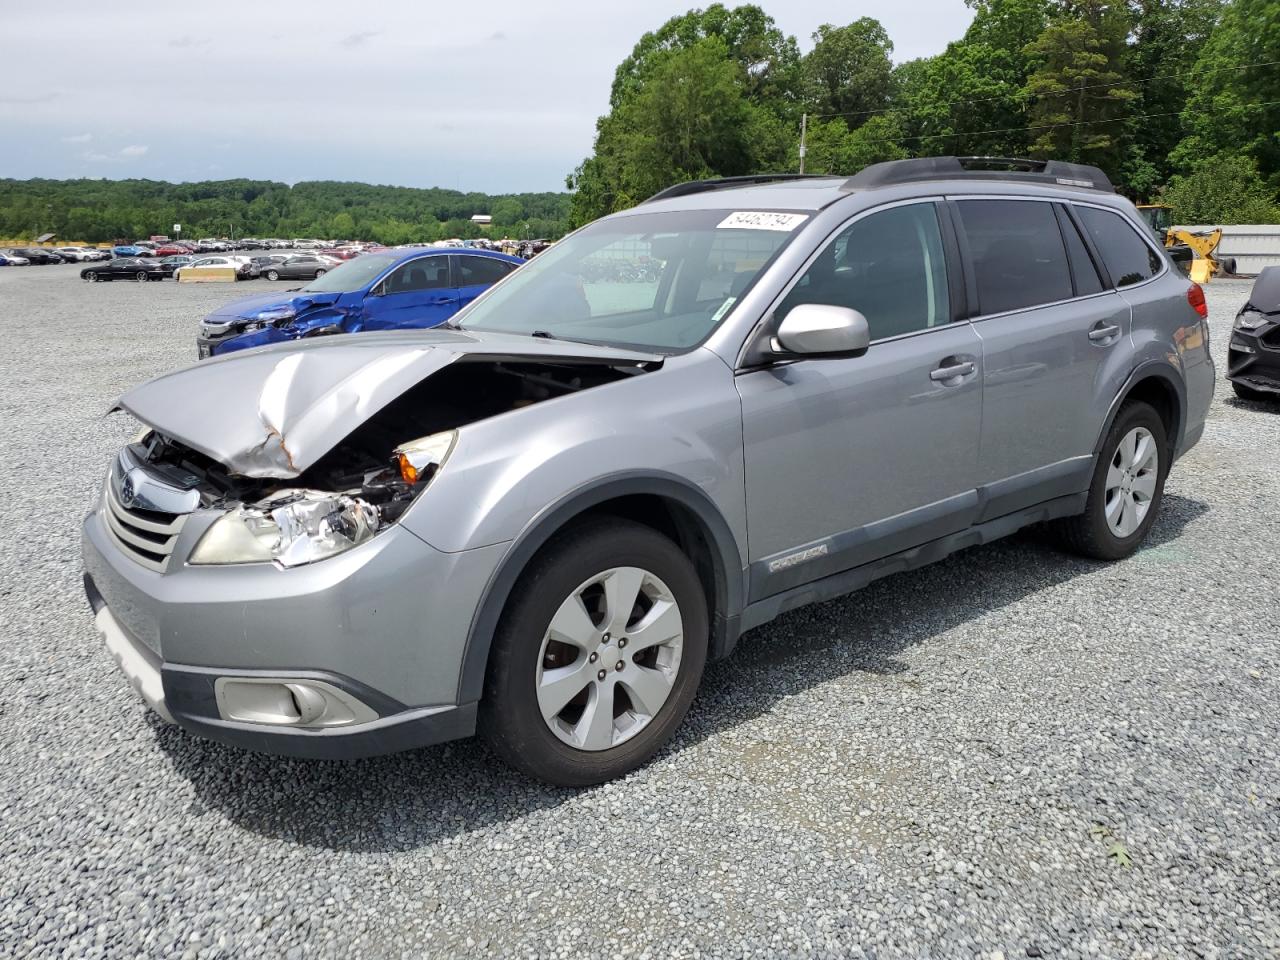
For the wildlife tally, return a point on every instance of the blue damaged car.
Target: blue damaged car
(389, 290)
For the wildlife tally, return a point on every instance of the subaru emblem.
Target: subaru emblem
(127, 493)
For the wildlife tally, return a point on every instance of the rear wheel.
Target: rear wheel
(1128, 484)
(598, 655)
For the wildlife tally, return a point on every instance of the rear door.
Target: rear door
(1052, 334)
(419, 293)
(478, 274)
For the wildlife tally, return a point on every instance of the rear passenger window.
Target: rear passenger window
(1018, 257)
(889, 266)
(482, 270)
(1128, 257)
(1082, 268)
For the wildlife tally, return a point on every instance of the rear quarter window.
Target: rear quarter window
(1128, 258)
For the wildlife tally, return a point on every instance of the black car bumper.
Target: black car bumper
(1253, 358)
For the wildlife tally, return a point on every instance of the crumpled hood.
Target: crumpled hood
(275, 411)
(247, 307)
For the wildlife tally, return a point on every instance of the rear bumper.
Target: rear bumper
(187, 696)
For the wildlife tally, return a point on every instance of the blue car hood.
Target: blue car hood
(249, 306)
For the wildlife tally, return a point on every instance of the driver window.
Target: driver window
(429, 273)
(889, 266)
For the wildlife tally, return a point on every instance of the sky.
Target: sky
(496, 96)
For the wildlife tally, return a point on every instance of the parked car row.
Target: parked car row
(291, 266)
(26, 256)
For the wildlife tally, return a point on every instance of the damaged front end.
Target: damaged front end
(311, 451)
(1253, 353)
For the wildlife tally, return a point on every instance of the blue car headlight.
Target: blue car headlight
(275, 314)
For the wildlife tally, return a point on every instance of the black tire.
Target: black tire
(1250, 394)
(1089, 533)
(273, 274)
(319, 273)
(141, 276)
(89, 275)
(510, 718)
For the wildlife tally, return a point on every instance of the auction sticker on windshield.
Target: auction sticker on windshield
(762, 220)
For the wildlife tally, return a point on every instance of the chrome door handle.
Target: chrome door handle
(1104, 333)
(952, 372)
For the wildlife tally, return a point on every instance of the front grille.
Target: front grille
(1271, 339)
(147, 536)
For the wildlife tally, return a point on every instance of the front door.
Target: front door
(420, 293)
(849, 460)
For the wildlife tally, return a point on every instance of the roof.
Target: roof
(812, 193)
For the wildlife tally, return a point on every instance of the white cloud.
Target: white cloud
(133, 151)
(358, 39)
(78, 138)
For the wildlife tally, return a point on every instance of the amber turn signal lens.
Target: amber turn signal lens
(408, 471)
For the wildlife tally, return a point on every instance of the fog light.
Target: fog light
(288, 702)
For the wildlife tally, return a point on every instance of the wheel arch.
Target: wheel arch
(673, 506)
(1159, 384)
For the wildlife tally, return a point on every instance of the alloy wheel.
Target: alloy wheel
(609, 658)
(1131, 482)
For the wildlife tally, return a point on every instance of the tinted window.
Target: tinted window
(1018, 257)
(1082, 268)
(429, 273)
(889, 266)
(1127, 255)
(484, 270)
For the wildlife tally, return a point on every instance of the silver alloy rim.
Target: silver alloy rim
(1131, 482)
(141, 276)
(609, 658)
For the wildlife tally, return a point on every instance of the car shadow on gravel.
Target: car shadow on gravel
(1254, 406)
(416, 799)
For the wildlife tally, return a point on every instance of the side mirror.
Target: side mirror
(377, 290)
(819, 329)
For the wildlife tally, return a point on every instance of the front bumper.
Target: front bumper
(385, 627)
(1253, 358)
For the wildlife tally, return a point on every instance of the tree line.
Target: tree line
(1178, 100)
(107, 210)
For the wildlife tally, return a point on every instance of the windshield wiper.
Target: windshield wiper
(543, 335)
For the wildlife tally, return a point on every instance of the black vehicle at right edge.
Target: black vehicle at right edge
(1253, 355)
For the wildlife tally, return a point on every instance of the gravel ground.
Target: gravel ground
(1012, 753)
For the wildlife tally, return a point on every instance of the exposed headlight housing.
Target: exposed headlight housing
(275, 314)
(420, 459)
(1250, 320)
(292, 528)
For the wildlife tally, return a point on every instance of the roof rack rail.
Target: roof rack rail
(723, 183)
(1056, 172)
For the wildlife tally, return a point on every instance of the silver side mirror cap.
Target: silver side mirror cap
(819, 329)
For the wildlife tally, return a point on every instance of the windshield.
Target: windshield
(351, 276)
(657, 281)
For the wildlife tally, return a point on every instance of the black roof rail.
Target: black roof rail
(723, 183)
(1019, 169)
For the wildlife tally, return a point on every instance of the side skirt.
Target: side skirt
(837, 585)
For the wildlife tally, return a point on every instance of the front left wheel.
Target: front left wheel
(598, 654)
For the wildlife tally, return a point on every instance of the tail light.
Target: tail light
(1195, 297)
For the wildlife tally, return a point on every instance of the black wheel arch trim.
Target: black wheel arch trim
(730, 573)
(1162, 370)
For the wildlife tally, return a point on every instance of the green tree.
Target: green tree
(1078, 88)
(1164, 46)
(970, 99)
(1222, 190)
(767, 59)
(832, 147)
(848, 71)
(1234, 104)
(690, 118)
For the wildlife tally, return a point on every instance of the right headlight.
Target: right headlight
(299, 526)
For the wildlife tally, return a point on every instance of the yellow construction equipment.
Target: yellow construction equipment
(1197, 248)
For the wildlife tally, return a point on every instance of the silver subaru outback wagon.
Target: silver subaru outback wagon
(542, 520)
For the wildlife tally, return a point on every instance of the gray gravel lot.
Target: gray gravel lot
(952, 763)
